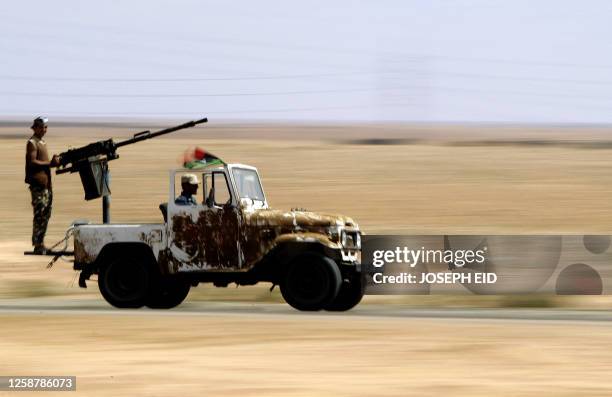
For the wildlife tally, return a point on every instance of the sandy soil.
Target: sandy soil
(308, 355)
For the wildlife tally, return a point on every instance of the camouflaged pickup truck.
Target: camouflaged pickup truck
(230, 236)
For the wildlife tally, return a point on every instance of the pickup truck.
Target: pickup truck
(230, 236)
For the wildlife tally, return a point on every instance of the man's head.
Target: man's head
(189, 184)
(39, 126)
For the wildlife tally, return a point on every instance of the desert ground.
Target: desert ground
(390, 179)
(283, 353)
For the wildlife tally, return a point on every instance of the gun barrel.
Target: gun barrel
(73, 160)
(141, 136)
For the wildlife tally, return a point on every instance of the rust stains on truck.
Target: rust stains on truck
(230, 239)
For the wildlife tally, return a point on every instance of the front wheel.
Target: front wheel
(349, 296)
(311, 282)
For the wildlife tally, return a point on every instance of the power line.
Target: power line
(432, 88)
(397, 72)
(162, 95)
(180, 79)
(251, 111)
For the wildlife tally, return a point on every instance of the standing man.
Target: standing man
(38, 176)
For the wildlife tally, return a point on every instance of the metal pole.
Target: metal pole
(106, 199)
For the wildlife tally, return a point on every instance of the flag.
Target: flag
(200, 158)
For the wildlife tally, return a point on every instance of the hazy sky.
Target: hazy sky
(503, 61)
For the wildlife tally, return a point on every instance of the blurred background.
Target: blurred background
(439, 117)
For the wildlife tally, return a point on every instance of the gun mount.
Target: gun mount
(91, 162)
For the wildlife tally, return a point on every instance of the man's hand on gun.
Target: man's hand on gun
(55, 161)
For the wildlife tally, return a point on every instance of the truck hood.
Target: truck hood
(296, 219)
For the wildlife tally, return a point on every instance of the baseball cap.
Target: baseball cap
(189, 178)
(40, 121)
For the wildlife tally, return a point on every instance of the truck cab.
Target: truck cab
(206, 236)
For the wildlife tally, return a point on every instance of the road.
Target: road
(262, 310)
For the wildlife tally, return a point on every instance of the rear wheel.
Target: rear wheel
(349, 296)
(167, 292)
(124, 281)
(311, 282)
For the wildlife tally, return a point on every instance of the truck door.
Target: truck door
(222, 221)
(205, 236)
(183, 234)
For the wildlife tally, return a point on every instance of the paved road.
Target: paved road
(89, 306)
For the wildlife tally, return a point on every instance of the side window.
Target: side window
(222, 193)
(218, 183)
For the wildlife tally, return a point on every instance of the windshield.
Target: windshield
(248, 184)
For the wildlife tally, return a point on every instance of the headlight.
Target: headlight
(351, 239)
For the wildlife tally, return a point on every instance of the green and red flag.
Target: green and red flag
(200, 158)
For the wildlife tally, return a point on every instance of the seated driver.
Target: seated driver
(189, 184)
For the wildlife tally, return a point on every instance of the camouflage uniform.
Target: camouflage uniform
(42, 198)
(39, 179)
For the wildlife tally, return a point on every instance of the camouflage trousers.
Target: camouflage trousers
(41, 204)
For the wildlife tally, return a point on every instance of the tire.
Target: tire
(124, 282)
(167, 292)
(311, 282)
(349, 296)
